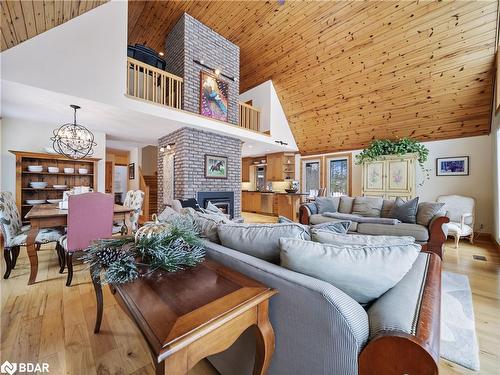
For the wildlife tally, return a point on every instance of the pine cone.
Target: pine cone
(108, 256)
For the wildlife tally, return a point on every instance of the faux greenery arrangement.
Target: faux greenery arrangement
(176, 246)
(381, 147)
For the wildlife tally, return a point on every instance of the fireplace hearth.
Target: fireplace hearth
(224, 200)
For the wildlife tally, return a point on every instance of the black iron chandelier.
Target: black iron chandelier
(72, 140)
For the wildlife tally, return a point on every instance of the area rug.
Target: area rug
(458, 332)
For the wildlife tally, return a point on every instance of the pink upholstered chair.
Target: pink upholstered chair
(90, 217)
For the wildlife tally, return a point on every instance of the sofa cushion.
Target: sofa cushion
(345, 205)
(320, 219)
(327, 204)
(426, 211)
(337, 226)
(322, 236)
(362, 272)
(168, 214)
(367, 206)
(419, 232)
(386, 208)
(362, 219)
(405, 211)
(259, 240)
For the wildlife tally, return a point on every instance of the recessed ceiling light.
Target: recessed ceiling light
(161, 53)
(217, 72)
(162, 149)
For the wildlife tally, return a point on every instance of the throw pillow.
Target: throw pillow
(168, 214)
(386, 208)
(339, 227)
(207, 224)
(322, 236)
(212, 208)
(362, 272)
(283, 219)
(367, 206)
(405, 211)
(345, 205)
(259, 240)
(426, 211)
(327, 204)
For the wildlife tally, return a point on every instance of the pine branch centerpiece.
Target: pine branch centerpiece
(168, 247)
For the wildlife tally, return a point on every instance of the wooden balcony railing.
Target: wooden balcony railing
(152, 84)
(249, 117)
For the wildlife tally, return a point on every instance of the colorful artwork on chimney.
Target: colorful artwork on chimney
(214, 94)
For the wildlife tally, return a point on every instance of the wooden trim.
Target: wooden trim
(154, 69)
(41, 155)
(393, 352)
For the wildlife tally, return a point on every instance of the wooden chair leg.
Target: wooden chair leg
(58, 251)
(457, 239)
(471, 238)
(69, 262)
(8, 262)
(62, 254)
(38, 246)
(15, 254)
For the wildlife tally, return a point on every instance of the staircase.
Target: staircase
(152, 183)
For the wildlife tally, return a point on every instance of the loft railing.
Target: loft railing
(152, 84)
(249, 117)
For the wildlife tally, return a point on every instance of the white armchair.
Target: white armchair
(461, 212)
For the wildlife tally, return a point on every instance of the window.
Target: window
(311, 175)
(337, 176)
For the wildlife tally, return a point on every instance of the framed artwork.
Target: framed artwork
(214, 95)
(398, 175)
(215, 166)
(453, 166)
(131, 171)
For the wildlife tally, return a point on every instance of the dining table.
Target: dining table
(51, 216)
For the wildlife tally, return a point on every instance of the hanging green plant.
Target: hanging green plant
(124, 259)
(383, 147)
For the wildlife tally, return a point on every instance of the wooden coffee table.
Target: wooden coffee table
(189, 315)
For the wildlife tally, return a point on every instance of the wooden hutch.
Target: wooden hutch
(25, 192)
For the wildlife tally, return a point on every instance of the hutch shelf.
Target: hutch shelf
(25, 192)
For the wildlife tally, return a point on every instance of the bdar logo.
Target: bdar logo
(8, 368)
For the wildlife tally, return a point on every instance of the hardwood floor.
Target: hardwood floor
(49, 322)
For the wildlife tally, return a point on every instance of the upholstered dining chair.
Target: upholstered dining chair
(135, 201)
(461, 212)
(90, 217)
(15, 234)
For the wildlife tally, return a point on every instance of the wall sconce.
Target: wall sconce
(216, 71)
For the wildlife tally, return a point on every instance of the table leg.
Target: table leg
(96, 281)
(264, 335)
(31, 249)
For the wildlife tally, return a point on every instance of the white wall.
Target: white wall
(22, 135)
(479, 183)
(495, 142)
(273, 117)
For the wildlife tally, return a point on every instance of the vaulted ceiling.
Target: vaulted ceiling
(24, 19)
(348, 72)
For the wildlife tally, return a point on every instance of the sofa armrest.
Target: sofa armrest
(318, 328)
(438, 232)
(306, 210)
(403, 341)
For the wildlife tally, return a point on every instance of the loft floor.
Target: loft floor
(48, 322)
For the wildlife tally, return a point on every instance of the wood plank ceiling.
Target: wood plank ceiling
(348, 72)
(24, 19)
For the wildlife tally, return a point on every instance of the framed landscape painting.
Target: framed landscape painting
(453, 166)
(215, 166)
(214, 97)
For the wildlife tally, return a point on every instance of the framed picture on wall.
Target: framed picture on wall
(215, 166)
(214, 96)
(452, 166)
(131, 171)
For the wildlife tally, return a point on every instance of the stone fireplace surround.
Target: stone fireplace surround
(190, 147)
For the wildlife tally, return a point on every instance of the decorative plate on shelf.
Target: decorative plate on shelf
(60, 187)
(54, 201)
(35, 201)
(38, 185)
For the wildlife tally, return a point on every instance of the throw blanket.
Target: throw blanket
(362, 219)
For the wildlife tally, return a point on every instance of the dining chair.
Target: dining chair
(135, 201)
(461, 212)
(15, 234)
(90, 217)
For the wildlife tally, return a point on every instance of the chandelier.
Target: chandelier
(72, 140)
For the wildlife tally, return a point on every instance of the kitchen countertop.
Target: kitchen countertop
(274, 192)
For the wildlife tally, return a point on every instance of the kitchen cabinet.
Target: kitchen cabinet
(246, 164)
(250, 201)
(280, 167)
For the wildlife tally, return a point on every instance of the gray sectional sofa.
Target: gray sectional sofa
(429, 231)
(320, 330)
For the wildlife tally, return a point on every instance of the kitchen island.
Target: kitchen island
(274, 203)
